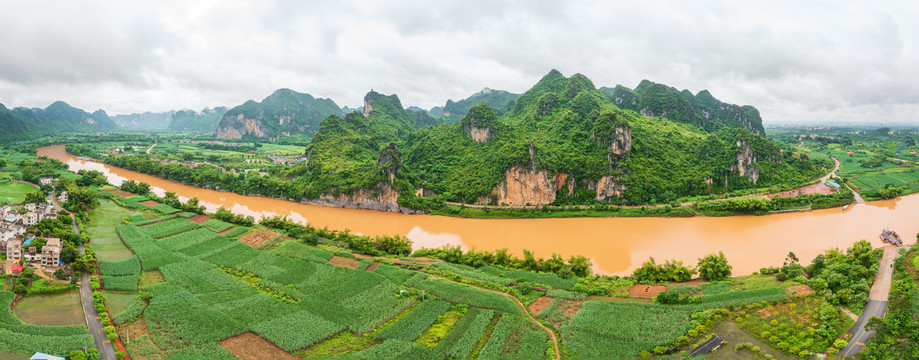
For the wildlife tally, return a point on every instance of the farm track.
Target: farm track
(558, 355)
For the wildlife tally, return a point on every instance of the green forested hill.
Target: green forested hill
(563, 141)
(285, 112)
(702, 109)
(59, 117)
(500, 100)
(204, 121)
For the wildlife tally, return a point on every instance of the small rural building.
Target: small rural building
(30, 206)
(16, 269)
(46, 180)
(51, 253)
(43, 356)
(13, 250)
(62, 197)
(30, 218)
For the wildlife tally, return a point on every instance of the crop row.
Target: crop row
(297, 250)
(297, 330)
(458, 293)
(133, 311)
(458, 344)
(169, 227)
(180, 321)
(120, 283)
(165, 209)
(605, 329)
(141, 220)
(397, 275)
(217, 225)
(472, 272)
(129, 266)
(715, 288)
(187, 239)
(548, 279)
(393, 349)
(744, 296)
(410, 326)
(517, 337)
(239, 230)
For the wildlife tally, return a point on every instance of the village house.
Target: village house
(30, 218)
(16, 269)
(46, 180)
(13, 250)
(51, 253)
(6, 234)
(62, 197)
(30, 206)
(32, 255)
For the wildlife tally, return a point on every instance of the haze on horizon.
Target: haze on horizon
(830, 61)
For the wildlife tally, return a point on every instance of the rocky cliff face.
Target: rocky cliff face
(480, 123)
(235, 127)
(745, 160)
(384, 199)
(523, 186)
(283, 113)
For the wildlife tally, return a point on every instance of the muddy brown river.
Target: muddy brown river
(616, 245)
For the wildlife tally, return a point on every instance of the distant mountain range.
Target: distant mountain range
(287, 113)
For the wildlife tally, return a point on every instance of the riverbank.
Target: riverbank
(616, 245)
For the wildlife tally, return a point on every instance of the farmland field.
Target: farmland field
(101, 227)
(57, 309)
(14, 192)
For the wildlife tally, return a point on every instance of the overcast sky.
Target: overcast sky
(796, 61)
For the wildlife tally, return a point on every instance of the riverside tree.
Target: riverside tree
(714, 267)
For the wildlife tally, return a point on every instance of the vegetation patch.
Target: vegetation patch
(345, 342)
(51, 310)
(441, 327)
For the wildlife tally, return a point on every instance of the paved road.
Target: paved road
(103, 344)
(877, 303)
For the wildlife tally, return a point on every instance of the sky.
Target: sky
(797, 62)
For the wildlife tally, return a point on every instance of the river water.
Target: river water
(616, 245)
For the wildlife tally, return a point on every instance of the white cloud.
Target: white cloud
(812, 61)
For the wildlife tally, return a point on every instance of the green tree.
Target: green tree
(35, 197)
(714, 267)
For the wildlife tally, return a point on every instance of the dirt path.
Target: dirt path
(151, 147)
(848, 313)
(558, 355)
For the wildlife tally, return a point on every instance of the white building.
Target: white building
(14, 250)
(51, 253)
(29, 206)
(46, 180)
(30, 218)
(62, 197)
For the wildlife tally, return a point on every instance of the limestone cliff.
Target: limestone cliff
(480, 123)
(523, 186)
(383, 199)
(745, 160)
(283, 113)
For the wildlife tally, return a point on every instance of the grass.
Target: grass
(51, 310)
(442, 326)
(104, 240)
(344, 343)
(7, 356)
(117, 301)
(14, 192)
(151, 277)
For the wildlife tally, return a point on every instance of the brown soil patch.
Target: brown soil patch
(227, 231)
(120, 193)
(340, 261)
(646, 291)
(373, 266)
(799, 290)
(149, 203)
(199, 219)
(248, 346)
(568, 308)
(540, 304)
(258, 238)
(134, 329)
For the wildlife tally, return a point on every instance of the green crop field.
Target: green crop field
(897, 176)
(101, 227)
(56, 309)
(14, 192)
(17, 337)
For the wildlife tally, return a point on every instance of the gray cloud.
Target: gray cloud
(806, 62)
